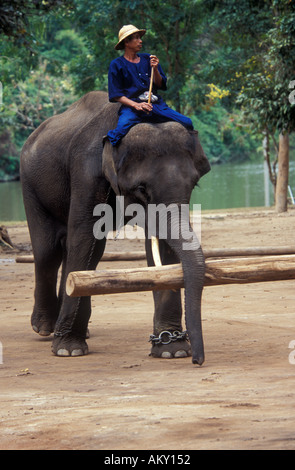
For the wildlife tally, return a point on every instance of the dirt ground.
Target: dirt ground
(118, 397)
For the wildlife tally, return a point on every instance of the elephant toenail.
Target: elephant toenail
(63, 352)
(166, 355)
(44, 333)
(77, 352)
(180, 353)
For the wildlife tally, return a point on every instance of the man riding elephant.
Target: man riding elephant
(129, 79)
(68, 168)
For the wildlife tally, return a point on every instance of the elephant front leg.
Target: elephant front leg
(168, 339)
(71, 328)
(70, 333)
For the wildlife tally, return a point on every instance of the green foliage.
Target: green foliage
(27, 103)
(9, 168)
(62, 50)
(229, 64)
(265, 33)
(224, 136)
(22, 21)
(171, 29)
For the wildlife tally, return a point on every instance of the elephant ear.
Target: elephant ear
(108, 166)
(201, 161)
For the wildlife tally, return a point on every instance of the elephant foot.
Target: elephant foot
(170, 345)
(44, 327)
(69, 345)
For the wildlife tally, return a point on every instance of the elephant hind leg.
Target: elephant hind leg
(46, 236)
(46, 307)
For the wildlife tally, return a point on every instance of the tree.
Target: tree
(17, 18)
(227, 63)
(27, 103)
(266, 31)
(31, 92)
(171, 30)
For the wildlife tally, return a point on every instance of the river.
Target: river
(237, 185)
(226, 186)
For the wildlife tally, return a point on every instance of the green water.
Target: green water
(11, 202)
(235, 185)
(226, 186)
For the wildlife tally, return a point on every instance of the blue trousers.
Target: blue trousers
(161, 113)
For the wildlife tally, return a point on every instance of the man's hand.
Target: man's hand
(154, 61)
(145, 107)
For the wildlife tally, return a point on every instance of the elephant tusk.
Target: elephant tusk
(156, 251)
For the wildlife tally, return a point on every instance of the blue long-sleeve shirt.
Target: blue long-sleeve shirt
(129, 79)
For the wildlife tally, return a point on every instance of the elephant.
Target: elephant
(68, 168)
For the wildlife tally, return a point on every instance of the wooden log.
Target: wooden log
(108, 281)
(107, 256)
(249, 251)
(123, 256)
(24, 259)
(249, 270)
(209, 253)
(228, 271)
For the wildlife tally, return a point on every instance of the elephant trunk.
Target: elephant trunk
(194, 271)
(192, 259)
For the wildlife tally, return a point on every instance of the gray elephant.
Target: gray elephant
(65, 172)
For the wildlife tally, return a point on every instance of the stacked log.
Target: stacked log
(208, 253)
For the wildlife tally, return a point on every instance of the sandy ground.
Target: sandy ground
(118, 397)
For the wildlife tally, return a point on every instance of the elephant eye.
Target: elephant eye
(141, 188)
(141, 191)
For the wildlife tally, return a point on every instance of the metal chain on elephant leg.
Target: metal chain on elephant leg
(170, 344)
(170, 337)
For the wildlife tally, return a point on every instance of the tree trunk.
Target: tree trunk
(283, 172)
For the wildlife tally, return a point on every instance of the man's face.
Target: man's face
(134, 42)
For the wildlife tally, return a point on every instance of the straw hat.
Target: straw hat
(126, 31)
